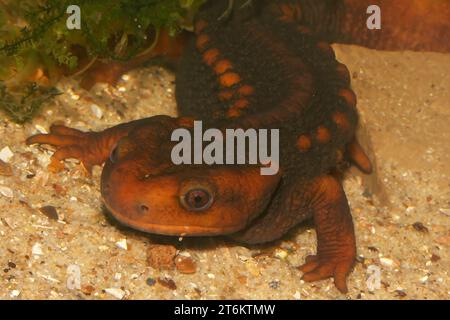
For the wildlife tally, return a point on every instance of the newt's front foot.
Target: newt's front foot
(72, 143)
(319, 267)
(336, 248)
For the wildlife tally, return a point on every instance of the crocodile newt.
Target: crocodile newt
(264, 64)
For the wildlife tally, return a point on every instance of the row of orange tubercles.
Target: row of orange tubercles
(322, 134)
(223, 68)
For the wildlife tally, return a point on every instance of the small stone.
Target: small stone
(150, 282)
(418, 226)
(185, 265)
(275, 284)
(445, 240)
(97, 111)
(41, 129)
(243, 258)
(410, 209)
(161, 256)
(6, 154)
(116, 292)
(280, 254)
(386, 262)
(435, 258)
(297, 295)
(122, 244)
(5, 169)
(14, 293)
(252, 267)
(445, 211)
(50, 212)
(167, 283)
(73, 281)
(400, 293)
(6, 192)
(424, 279)
(11, 264)
(37, 249)
(87, 290)
(211, 276)
(117, 276)
(242, 280)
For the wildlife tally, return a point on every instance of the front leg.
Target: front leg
(336, 249)
(91, 148)
(325, 200)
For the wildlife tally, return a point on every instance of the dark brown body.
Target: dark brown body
(264, 66)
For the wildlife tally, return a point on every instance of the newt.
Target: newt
(263, 64)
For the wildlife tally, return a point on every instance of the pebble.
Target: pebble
(116, 292)
(445, 240)
(161, 256)
(280, 254)
(41, 129)
(97, 111)
(37, 249)
(87, 290)
(211, 276)
(185, 265)
(6, 154)
(7, 192)
(50, 212)
(445, 211)
(150, 282)
(5, 169)
(14, 293)
(122, 244)
(386, 262)
(419, 226)
(410, 209)
(297, 295)
(275, 284)
(435, 258)
(167, 283)
(73, 277)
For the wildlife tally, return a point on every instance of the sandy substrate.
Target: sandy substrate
(401, 213)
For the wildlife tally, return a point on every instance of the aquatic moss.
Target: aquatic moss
(34, 36)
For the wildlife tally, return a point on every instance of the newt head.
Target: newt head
(144, 190)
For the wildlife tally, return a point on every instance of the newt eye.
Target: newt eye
(113, 154)
(197, 200)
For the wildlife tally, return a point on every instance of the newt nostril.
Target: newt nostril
(143, 208)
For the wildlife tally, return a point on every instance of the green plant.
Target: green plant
(34, 36)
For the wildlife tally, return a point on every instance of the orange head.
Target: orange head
(143, 189)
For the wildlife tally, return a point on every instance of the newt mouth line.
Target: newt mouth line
(172, 230)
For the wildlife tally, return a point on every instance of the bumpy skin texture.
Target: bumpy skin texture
(264, 65)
